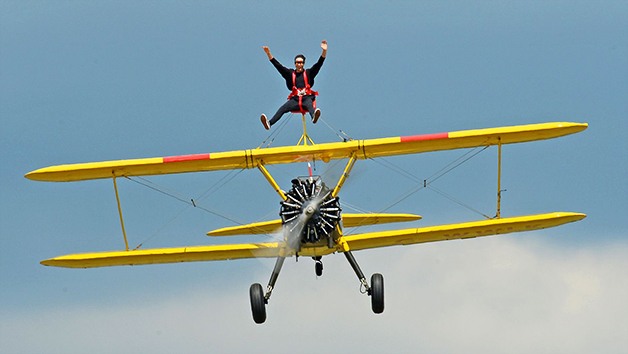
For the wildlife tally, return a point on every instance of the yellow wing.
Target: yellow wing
(345, 243)
(364, 149)
(458, 231)
(348, 220)
(166, 255)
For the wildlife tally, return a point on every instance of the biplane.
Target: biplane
(312, 220)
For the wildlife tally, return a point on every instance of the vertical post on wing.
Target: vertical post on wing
(499, 177)
(305, 138)
(115, 186)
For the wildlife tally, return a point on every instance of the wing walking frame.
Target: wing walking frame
(353, 150)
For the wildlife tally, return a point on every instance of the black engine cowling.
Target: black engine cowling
(310, 203)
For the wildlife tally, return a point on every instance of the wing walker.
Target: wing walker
(312, 220)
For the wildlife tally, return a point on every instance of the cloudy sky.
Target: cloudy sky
(93, 81)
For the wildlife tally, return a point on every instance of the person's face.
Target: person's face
(298, 64)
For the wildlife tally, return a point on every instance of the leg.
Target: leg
(290, 105)
(308, 103)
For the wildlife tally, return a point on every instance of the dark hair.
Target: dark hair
(300, 56)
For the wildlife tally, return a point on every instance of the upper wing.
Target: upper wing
(363, 149)
(458, 231)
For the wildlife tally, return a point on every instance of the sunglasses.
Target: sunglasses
(299, 62)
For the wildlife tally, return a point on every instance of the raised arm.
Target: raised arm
(324, 47)
(267, 50)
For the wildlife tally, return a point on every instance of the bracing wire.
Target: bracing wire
(457, 201)
(180, 197)
(189, 201)
(274, 134)
(425, 183)
(335, 130)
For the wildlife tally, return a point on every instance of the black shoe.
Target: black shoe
(265, 122)
(317, 114)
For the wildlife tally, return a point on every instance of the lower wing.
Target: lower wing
(345, 243)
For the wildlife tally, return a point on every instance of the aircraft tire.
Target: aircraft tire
(319, 268)
(377, 293)
(258, 303)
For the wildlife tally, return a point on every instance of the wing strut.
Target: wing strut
(270, 180)
(499, 177)
(345, 174)
(115, 186)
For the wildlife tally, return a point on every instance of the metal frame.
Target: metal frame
(305, 138)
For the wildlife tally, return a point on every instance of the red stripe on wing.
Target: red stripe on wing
(186, 158)
(425, 137)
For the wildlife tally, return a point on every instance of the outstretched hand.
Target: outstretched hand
(324, 47)
(267, 50)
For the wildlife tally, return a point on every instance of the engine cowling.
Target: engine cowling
(310, 213)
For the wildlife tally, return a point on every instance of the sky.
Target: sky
(85, 81)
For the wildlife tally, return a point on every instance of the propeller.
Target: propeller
(309, 213)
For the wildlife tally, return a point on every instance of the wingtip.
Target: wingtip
(571, 217)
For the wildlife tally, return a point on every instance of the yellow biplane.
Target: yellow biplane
(311, 217)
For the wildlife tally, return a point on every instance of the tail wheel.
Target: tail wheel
(258, 303)
(319, 268)
(377, 293)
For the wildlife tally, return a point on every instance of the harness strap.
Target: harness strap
(295, 90)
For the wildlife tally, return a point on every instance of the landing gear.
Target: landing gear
(258, 298)
(377, 293)
(376, 290)
(318, 266)
(258, 303)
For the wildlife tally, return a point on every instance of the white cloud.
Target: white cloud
(495, 295)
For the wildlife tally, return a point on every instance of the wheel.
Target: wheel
(258, 303)
(377, 293)
(319, 268)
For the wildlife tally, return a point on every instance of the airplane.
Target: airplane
(312, 220)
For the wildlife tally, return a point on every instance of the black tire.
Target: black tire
(319, 268)
(377, 293)
(258, 303)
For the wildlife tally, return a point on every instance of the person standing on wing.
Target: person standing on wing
(299, 81)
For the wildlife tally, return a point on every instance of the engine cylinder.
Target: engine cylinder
(310, 202)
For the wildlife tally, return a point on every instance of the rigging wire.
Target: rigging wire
(422, 184)
(457, 201)
(274, 134)
(344, 137)
(189, 201)
(182, 198)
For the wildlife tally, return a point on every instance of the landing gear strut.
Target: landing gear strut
(376, 290)
(258, 298)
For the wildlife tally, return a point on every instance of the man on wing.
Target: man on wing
(299, 81)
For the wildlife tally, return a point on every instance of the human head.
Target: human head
(299, 61)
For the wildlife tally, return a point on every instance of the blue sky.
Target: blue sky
(93, 81)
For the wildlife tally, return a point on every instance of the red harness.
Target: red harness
(301, 92)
